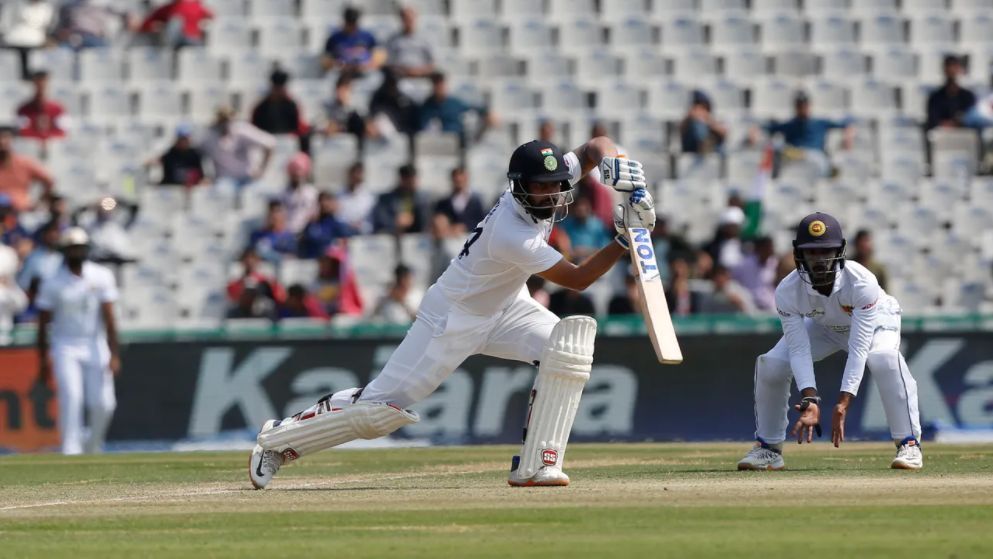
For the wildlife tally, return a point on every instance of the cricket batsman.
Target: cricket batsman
(480, 305)
(827, 305)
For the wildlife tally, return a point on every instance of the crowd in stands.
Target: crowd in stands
(735, 272)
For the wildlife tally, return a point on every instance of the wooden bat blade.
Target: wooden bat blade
(654, 306)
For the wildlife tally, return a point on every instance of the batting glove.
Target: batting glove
(638, 212)
(625, 175)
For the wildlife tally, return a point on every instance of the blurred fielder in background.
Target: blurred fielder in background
(828, 305)
(480, 305)
(76, 310)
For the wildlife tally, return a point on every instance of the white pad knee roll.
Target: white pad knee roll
(562, 373)
(331, 426)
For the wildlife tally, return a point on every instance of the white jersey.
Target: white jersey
(502, 252)
(852, 308)
(74, 302)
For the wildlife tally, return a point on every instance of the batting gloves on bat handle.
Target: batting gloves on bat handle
(638, 212)
(624, 175)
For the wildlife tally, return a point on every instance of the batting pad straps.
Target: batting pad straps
(335, 426)
(564, 369)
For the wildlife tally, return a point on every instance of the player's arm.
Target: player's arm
(859, 341)
(41, 342)
(802, 365)
(592, 153)
(110, 324)
(579, 277)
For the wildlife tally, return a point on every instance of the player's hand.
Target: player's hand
(838, 424)
(115, 364)
(809, 421)
(624, 175)
(643, 207)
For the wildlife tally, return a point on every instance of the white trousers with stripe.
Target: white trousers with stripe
(887, 367)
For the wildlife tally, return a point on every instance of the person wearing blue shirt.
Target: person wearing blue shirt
(586, 233)
(443, 112)
(351, 48)
(324, 229)
(809, 134)
(274, 240)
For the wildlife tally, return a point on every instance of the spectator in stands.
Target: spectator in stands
(757, 274)
(463, 208)
(352, 49)
(587, 234)
(728, 296)
(726, 248)
(340, 115)
(182, 163)
(19, 172)
(399, 304)
(325, 229)
(948, 105)
(274, 240)
(300, 196)
(178, 23)
(300, 304)
(806, 136)
(12, 298)
(699, 131)
(392, 113)
(355, 202)
(628, 302)
(865, 254)
(229, 145)
(682, 299)
(566, 302)
(404, 209)
(278, 113)
(87, 23)
(409, 54)
(110, 242)
(600, 196)
(251, 277)
(27, 27)
(57, 209)
(40, 116)
(668, 245)
(336, 287)
(251, 303)
(547, 130)
(42, 261)
(441, 111)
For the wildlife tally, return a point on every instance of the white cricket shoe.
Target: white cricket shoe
(547, 476)
(762, 458)
(908, 456)
(263, 464)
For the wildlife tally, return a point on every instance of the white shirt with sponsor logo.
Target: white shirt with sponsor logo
(74, 302)
(501, 253)
(852, 308)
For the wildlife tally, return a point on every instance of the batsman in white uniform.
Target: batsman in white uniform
(480, 305)
(76, 306)
(828, 305)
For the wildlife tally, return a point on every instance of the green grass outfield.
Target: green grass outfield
(642, 500)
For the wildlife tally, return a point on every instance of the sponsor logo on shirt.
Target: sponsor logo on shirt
(814, 313)
(869, 306)
(783, 313)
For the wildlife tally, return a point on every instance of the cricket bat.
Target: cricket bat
(654, 307)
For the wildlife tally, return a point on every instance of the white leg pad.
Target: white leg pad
(330, 426)
(564, 369)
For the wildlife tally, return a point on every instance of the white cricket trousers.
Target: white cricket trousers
(83, 379)
(443, 337)
(888, 368)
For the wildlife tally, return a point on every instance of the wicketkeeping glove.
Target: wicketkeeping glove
(624, 175)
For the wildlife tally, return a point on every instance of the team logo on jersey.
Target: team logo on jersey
(549, 457)
(817, 228)
(848, 309)
(551, 163)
